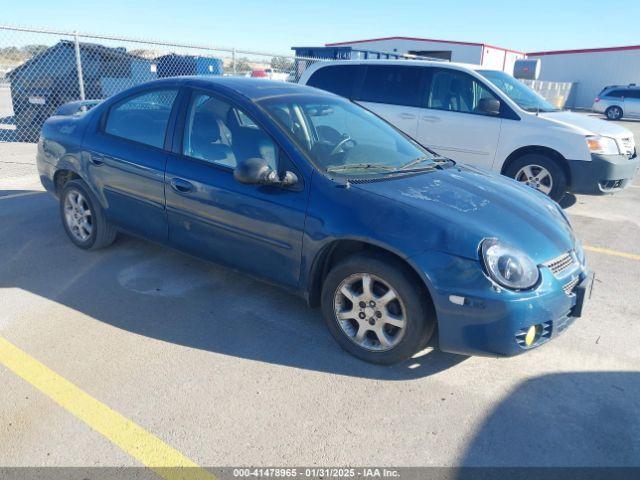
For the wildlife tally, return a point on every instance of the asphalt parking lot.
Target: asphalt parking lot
(226, 371)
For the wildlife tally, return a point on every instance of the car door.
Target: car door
(451, 122)
(253, 228)
(395, 93)
(126, 160)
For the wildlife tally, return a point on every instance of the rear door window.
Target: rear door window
(617, 93)
(392, 84)
(338, 79)
(142, 118)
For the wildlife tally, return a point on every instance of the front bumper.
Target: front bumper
(603, 173)
(492, 321)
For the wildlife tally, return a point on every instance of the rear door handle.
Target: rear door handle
(430, 118)
(180, 185)
(407, 116)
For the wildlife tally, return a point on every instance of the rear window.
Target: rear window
(142, 118)
(392, 84)
(339, 79)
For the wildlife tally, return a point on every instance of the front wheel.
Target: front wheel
(375, 310)
(541, 173)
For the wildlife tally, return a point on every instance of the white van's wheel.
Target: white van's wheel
(614, 113)
(540, 172)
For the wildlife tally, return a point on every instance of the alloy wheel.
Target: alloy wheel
(370, 312)
(77, 215)
(536, 177)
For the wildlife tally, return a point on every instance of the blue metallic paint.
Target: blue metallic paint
(434, 220)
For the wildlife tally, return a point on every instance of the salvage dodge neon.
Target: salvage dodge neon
(308, 191)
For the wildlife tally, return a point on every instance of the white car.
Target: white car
(489, 119)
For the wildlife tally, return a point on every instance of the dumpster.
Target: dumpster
(174, 65)
(50, 79)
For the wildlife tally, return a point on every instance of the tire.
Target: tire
(96, 232)
(527, 169)
(410, 308)
(614, 113)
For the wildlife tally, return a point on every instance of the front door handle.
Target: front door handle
(407, 116)
(181, 186)
(96, 160)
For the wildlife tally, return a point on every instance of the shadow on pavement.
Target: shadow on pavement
(568, 200)
(576, 419)
(154, 291)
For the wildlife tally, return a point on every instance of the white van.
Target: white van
(489, 119)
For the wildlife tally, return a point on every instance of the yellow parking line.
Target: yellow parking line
(615, 253)
(130, 437)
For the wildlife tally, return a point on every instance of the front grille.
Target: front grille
(569, 286)
(561, 263)
(608, 185)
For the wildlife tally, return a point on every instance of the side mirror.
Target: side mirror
(256, 171)
(253, 171)
(490, 106)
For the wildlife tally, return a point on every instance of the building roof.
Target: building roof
(584, 50)
(419, 39)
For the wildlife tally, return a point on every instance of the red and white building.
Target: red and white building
(588, 69)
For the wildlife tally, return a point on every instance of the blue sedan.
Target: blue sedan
(308, 191)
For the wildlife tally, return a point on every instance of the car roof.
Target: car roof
(252, 88)
(622, 87)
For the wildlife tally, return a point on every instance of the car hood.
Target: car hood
(587, 125)
(454, 209)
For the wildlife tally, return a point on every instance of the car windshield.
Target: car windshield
(517, 91)
(343, 138)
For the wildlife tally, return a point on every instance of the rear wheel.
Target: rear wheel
(540, 172)
(375, 310)
(83, 218)
(614, 113)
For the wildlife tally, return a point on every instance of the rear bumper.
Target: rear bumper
(602, 174)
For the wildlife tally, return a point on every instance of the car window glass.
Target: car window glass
(457, 92)
(392, 84)
(338, 79)
(633, 94)
(616, 93)
(142, 118)
(220, 133)
(340, 136)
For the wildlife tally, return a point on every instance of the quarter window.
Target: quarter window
(222, 134)
(457, 92)
(142, 118)
(617, 94)
(396, 85)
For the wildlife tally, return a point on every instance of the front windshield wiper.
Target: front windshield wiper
(435, 159)
(359, 166)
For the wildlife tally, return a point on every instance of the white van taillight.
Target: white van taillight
(597, 100)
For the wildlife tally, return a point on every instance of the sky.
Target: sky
(276, 26)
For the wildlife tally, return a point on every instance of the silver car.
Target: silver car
(617, 101)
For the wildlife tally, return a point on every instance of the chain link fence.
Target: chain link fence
(42, 69)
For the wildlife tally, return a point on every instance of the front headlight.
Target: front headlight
(602, 145)
(508, 266)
